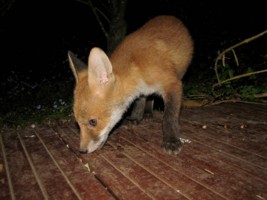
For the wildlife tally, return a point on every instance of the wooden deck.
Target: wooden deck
(224, 156)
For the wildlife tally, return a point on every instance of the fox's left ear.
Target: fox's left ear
(100, 68)
(76, 65)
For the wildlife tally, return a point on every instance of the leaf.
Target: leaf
(231, 73)
(87, 167)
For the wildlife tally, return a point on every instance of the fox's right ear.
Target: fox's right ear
(76, 65)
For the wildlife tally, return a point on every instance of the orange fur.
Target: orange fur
(152, 59)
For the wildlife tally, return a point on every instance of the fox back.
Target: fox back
(151, 60)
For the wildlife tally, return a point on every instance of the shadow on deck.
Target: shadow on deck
(224, 156)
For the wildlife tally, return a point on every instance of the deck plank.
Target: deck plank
(20, 170)
(102, 169)
(166, 173)
(224, 156)
(197, 166)
(150, 184)
(82, 182)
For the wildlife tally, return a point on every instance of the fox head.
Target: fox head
(96, 109)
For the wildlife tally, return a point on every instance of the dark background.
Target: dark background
(36, 35)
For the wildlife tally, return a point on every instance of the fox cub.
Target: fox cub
(151, 60)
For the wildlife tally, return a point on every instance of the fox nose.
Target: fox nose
(83, 151)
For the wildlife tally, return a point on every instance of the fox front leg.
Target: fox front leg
(172, 104)
(142, 107)
(138, 110)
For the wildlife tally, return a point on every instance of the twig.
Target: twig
(96, 11)
(262, 95)
(238, 77)
(234, 101)
(221, 56)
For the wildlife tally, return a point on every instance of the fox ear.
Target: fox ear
(76, 65)
(100, 68)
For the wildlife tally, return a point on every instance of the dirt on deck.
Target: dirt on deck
(224, 156)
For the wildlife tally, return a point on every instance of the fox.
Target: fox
(151, 60)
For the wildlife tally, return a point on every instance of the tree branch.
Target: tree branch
(95, 12)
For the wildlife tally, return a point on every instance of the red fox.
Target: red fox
(151, 60)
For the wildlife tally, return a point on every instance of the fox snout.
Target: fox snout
(89, 144)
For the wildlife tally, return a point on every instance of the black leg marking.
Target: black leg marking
(171, 141)
(138, 110)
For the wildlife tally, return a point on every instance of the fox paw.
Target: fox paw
(134, 121)
(171, 145)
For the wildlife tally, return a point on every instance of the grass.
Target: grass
(25, 101)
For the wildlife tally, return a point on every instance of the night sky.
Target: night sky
(36, 35)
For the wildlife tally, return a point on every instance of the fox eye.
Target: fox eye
(93, 122)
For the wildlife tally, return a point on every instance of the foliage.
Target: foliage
(241, 72)
(26, 101)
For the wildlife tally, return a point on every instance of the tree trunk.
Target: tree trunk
(117, 26)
